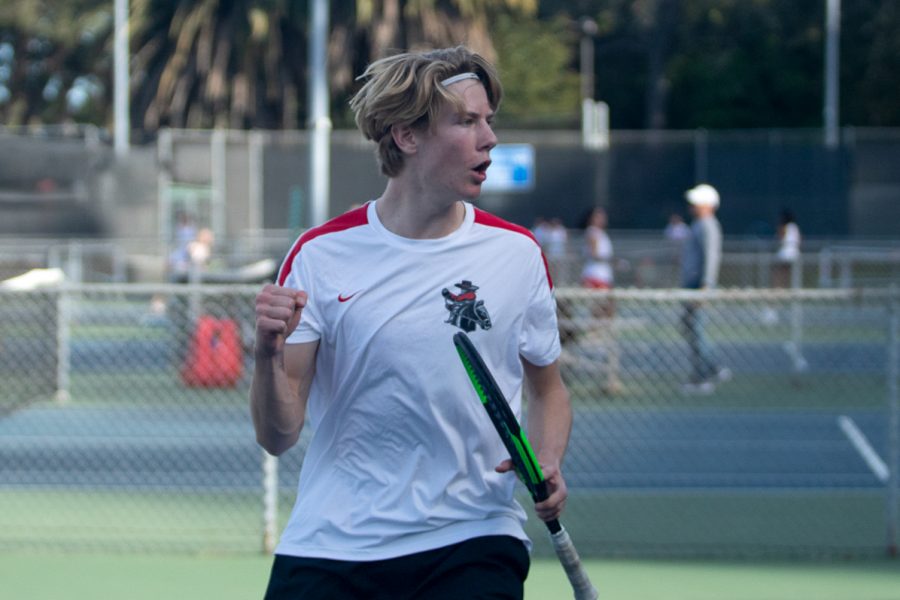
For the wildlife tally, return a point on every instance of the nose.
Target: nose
(488, 137)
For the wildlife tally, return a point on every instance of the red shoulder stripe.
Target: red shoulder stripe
(348, 220)
(485, 218)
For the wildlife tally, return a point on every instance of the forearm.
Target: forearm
(549, 426)
(276, 406)
(549, 416)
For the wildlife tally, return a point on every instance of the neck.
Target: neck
(414, 216)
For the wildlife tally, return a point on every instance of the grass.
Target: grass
(47, 576)
(663, 523)
(199, 522)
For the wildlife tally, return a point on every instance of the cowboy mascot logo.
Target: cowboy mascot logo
(466, 311)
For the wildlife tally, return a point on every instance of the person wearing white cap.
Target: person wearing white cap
(700, 270)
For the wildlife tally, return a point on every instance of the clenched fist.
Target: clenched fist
(278, 312)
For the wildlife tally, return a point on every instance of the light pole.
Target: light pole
(831, 107)
(319, 121)
(121, 117)
(588, 31)
(594, 115)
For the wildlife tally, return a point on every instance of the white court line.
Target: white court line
(862, 445)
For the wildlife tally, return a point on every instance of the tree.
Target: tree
(869, 83)
(659, 63)
(54, 62)
(742, 64)
(214, 63)
(535, 62)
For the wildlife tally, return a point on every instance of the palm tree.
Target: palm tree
(216, 63)
(240, 64)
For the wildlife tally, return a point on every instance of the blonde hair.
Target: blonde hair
(405, 89)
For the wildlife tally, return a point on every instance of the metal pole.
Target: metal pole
(63, 343)
(588, 31)
(270, 502)
(319, 121)
(893, 424)
(800, 362)
(165, 151)
(218, 167)
(256, 186)
(830, 111)
(120, 84)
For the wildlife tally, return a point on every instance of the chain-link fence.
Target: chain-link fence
(124, 422)
(647, 260)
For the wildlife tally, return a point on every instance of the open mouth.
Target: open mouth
(483, 167)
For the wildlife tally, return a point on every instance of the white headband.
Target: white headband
(462, 76)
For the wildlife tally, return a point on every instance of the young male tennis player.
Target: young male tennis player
(406, 490)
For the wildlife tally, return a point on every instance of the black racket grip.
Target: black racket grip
(540, 494)
(540, 491)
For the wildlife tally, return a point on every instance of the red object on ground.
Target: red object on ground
(215, 357)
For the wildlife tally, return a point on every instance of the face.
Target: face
(598, 218)
(699, 212)
(452, 157)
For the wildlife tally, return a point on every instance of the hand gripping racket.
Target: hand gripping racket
(524, 461)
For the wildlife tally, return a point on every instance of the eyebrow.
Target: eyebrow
(477, 115)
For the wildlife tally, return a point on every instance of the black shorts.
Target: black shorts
(491, 567)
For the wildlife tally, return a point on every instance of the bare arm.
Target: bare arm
(549, 425)
(282, 373)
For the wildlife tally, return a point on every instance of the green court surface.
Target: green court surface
(45, 576)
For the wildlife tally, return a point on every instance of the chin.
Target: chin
(471, 193)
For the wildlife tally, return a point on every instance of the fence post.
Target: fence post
(825, 268)
(75, 262)
(893, 366)
(270, 502)
(63, 342)
(796, 312)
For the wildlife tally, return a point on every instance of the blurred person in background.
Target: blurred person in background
(787, 256)
(180, 257)
(675, 233)
(676, 229)
(556, 240)
(787, 259)
(597, 273)
(540, 229)
(200, 250)
(406, 490)
(553, 237)
(700, 262)
(192, 257)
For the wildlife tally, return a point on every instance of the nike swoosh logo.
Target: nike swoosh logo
(343, 298)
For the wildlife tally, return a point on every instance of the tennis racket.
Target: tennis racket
(523, 458)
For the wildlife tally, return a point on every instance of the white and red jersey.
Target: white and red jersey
(402, 454)
(598, 269)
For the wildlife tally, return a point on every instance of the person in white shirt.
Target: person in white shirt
(788, 253)
(598, 268)
(405, 490)
(597, 274)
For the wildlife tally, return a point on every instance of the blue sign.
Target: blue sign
(512, 169)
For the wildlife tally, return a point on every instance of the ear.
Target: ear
(405, 138)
